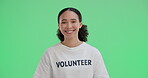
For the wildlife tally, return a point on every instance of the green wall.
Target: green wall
(118, 28)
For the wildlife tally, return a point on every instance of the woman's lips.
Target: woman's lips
(69, 31)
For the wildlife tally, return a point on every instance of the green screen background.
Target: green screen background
(118, 28)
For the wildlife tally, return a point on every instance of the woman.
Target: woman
(72, 57)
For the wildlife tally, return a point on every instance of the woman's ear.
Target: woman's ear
(80, 24)
(59, 26)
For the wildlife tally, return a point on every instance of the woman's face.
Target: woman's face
(69, 24)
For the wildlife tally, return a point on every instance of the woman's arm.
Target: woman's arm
(99, 67)
(44, 69)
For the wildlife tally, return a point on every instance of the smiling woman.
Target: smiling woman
(75, 19)
(72, 57)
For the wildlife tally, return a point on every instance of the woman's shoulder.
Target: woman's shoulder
(88, 46)
(51, 48)
(92, 49)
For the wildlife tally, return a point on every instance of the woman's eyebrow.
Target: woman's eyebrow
(72, 19)
(64, 19)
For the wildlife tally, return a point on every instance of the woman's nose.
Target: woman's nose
(69, 25)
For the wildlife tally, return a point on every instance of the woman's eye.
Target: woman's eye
(63, 22)
(73, 21)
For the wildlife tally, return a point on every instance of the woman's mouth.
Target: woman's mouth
(69, 31)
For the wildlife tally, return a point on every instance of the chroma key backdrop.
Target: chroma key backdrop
(118, 28)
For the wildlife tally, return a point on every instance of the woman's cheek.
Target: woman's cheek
(76, 26)
(62, 27)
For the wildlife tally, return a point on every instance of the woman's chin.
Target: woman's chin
(70, 36)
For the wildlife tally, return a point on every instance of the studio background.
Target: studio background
(118, 28)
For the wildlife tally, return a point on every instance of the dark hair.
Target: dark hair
(83, 32)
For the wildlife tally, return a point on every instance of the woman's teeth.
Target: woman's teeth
(69, 32)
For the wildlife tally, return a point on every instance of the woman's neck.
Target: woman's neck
(71, 42)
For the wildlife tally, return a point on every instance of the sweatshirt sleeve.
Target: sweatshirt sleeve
(99, 67)
(44, 69)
